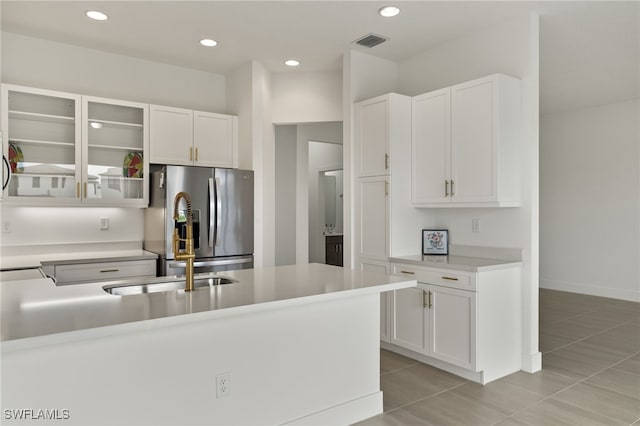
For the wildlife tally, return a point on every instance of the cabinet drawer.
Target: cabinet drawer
(441, 277)
(88, 272)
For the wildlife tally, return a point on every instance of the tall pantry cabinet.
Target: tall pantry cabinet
(384, 219)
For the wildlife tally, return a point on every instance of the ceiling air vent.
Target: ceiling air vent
(370, 40)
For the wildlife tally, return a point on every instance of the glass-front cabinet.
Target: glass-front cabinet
(68, 149)
(114, 160)
(42, 143)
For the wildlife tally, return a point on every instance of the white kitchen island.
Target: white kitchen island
(296, 344)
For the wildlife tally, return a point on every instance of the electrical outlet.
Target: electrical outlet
(6, 227)
(475, 225)
(223, 385)
(104, 223)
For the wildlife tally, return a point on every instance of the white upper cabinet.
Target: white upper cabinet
(68, 149)
(171, 135)
(193, 138)
(431, 147)
(467, 145)
(215, 139)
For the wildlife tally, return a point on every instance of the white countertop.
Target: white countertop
(22, 261)
(32, 308)
(457, 263)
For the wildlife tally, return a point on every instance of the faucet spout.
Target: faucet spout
(187, 254)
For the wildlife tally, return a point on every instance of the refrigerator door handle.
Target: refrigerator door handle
(218, 223)
(212, 212)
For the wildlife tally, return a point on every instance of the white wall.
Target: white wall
(300, 97)
(239, 102)
(59, 225)
(322, 157)
(285, 203)
(590, 201)
(46, 64)
(263, 154)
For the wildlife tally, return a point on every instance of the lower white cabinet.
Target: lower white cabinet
(79, 273)
(460, 321)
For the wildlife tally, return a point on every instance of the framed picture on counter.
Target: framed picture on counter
(435, 241)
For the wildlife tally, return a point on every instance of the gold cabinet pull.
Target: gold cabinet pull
(446, 188)
(190, 153)
(196, 153)
(85, 189)
(449, 278)
(386, 187)
(77, 189)
(452, 194)
(407, 272)
(109, 270)
(386, 161)
(430, 300)
(425, 304)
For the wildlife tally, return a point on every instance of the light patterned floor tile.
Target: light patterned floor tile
(619, 381)
(601, 401)
(552, 412)
(413, 383)
(449, 409)
(390, 361)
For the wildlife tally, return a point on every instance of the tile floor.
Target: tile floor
(590, 376)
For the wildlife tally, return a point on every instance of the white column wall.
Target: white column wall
(285, 202)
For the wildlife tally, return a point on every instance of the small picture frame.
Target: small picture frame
(435, 241)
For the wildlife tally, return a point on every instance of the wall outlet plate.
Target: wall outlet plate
(104, 223)
(475, 225)
(223, 385)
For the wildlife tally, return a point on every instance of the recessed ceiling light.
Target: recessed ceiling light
(98, 16)
(95, 125)
(388, 11)
(291, 63)
(208, 42)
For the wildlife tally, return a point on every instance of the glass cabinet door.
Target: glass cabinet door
(42, 144)
(114, 158)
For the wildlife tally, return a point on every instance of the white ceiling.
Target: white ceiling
(589, 50)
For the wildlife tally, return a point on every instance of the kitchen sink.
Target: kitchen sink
(126, 289)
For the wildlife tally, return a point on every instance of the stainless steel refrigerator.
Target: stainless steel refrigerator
(222, 201)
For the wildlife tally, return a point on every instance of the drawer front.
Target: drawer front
(451, 279)
(89, 272)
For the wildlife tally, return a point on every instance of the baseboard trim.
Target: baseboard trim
(572, 287)
(532, 363)
(348, 413)
(477, 377)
